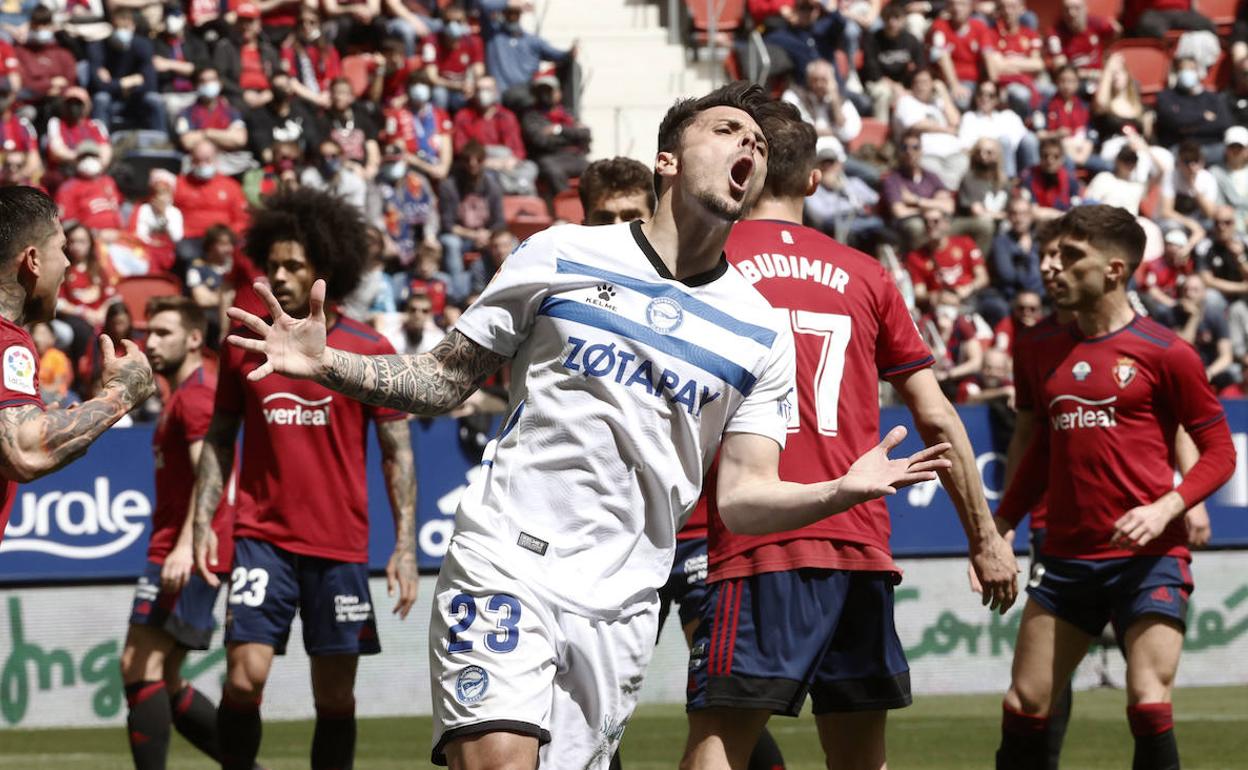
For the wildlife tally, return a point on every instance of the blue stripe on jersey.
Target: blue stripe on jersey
(909, 365)
(515, 418)
(1221, 415)
(352, 329)
(1137, 332)
(582, 313)
(759, 334)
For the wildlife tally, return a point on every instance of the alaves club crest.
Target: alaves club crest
(1124, 371)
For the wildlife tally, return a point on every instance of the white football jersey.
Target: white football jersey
(623, 382)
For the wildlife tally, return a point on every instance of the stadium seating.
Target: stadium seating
(874, 133)
(729, 15)
(525, 215)
(357, 69)
(1220, 12)
(1148, 61)
(567, 206)
(136, 290)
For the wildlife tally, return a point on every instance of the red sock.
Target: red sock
(1018, 723)
(1150, 718)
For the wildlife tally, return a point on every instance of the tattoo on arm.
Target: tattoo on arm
(399, 469)
(216, 460)
(34, 443)
(428, 384)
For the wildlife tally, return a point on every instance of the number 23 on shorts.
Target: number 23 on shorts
(503, 609)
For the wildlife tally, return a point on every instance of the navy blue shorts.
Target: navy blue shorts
(1088, 593)
(686, 587)
(768, 640)
(269, 583)
(185, 615)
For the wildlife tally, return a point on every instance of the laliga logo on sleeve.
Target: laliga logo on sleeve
(19, 369)
(664, 315)
(1081, 370)
(471, 684)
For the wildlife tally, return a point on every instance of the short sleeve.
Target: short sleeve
(502, 317)
(899, 348)
(19, 373)
(766, 409)
(195, 413)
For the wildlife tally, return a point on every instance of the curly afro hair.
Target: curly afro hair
(331, 231)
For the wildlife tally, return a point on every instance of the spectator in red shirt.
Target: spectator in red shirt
(91, 197)
(68, 130)
(212, 118)
(454, 60)
(556, 141)
(1052, 183)
(1025, 311)
(178, 56)
(246, 60)
(17, 134)
(10, 69)
(496, 128)
(411, 121)
(959, 44)
(1015, 58)
(1080, 40)
(311, 59)
(87, 291)
(47, 67)
(1163, 278)
(945, 262)
(952, 336)
(206, 198)
(1066, 117)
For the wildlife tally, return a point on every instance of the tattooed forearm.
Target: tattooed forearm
(216, 459)
(427, 385)
(34, 443)
(399, 470)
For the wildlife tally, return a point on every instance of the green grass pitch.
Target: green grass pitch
(938, 732)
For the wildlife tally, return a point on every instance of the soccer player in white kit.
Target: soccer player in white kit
(634, 349)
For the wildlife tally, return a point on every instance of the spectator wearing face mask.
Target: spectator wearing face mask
(17, 134)
(91, 197)
(454, 60)
(280, 174)
(496, 129)
(1051, 182)
(409, 204)
(70, 128)
(123, 77)
(207, 198)
(156, 222)
(471, 206)
(331, 174)
(284, 119)
(213, 119)
(555, 140)
(47, 67)
(1188, 111)
(420, 131)
(178, 57)
(513, 56)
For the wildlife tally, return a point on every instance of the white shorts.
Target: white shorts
(501, 659)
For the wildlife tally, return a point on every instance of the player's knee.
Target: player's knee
(244, 684)
(1024, 700)
(139, 665)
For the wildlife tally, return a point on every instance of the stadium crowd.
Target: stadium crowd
(949, 133)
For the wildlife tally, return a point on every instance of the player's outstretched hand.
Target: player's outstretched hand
(176, 570)
(1140, 526)
(205, 548)
(401, 573)
(292, 346)
(130, 371)
(875, 475)
(995, 570)
(1199, 530)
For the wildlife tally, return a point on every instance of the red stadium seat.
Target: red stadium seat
(1110, 9)
(136, 290)
(525, 214)
(1219, 76)
(874, 133)
(568, 207)
(1148, 61)
(1220, 12)
(729, 16)
(357, 69)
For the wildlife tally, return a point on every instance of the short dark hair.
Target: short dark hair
(1107, 228)
(199, 72)
(1047, 231)
(610, 177)
(791, 157)
(27, 217)
(40, 16)
(218, 231)
(331, 231)
(741, 94)
(191, 315)
(893, 11)
(1189, 150)
(1051, 142)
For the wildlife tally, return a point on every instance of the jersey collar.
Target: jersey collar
(700, 279)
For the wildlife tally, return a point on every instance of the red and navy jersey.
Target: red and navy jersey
(966, 46)
(850, 327)
(19, 386)
(1021, 44)
(302, 482)
(1107, 409)
(17, 135)
(1085, 50)
(946, 268)
(184, 421)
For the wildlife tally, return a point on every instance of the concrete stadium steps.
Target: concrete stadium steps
(631, 73)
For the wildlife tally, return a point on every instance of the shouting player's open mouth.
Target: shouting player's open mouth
(739, 175)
